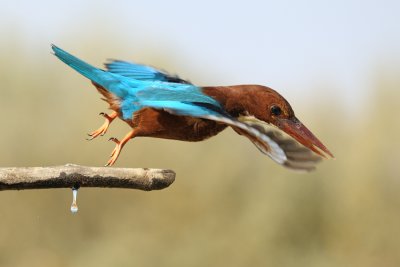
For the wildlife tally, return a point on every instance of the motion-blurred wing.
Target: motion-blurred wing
(297, 156)
(141, 72)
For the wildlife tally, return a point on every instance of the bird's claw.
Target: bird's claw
(118, 147)
(115, 140)
(105, 115)
(101, 131)
(103, 128)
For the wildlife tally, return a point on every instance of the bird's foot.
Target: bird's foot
(103, 129)
(115, 153)
(118, 147)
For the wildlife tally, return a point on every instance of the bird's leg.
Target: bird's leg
(119, 146)
(103, 129)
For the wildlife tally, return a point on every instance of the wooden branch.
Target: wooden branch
(70, 175)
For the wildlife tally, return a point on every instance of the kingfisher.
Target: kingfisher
(160, 105)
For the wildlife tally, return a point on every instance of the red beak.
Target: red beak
(298, 131)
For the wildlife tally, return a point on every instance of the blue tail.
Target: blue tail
(94, 74)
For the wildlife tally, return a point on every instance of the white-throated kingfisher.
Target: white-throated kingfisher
(156, 104)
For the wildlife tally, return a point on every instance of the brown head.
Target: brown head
(259, 105)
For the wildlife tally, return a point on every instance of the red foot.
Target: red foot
(103, 129)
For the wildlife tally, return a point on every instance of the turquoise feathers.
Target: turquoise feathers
(138, 86)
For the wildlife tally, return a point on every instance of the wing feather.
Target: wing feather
(141, 72)
(298, 157)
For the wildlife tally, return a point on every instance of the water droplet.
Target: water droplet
(74, 206)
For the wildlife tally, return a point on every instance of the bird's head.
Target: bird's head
(262, 105)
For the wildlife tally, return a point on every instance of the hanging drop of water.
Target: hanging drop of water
(74, 206)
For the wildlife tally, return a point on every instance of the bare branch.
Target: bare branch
(71, 175)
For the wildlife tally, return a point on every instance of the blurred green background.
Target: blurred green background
(338, 63)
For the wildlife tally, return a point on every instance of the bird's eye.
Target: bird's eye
(276, 111)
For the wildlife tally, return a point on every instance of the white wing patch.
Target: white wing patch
(263, 142)
(297, 156)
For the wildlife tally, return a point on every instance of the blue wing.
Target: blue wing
(146, 90)
(141, 72)
(180, 99)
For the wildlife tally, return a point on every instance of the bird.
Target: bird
(157, 104)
